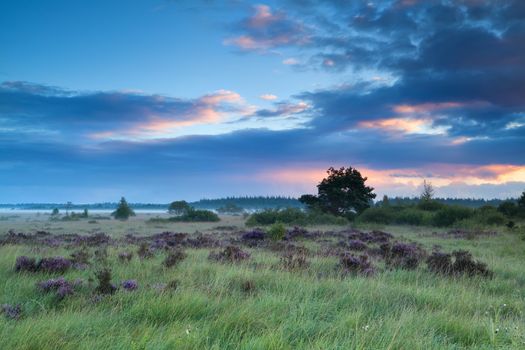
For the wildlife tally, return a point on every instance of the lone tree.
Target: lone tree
(521, 200)
(342, 193)
(179, 208)
(123, 211)
(428, 191)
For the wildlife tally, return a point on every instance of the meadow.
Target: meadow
(228, 286)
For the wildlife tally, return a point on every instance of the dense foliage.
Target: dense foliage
(123, 211)
(294, 216)
(343, 192)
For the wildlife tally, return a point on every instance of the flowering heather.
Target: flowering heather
(12, 312)
(174, 257)
(25, 263)
(463, 264)
(60, 286)
(296, 232)
(57, 264)
(403, 255)
(357, 264)
(356, 244)
(230, 254)
(255, 234)
(125, 257)
(130, 285)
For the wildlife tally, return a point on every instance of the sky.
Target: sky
(161, 100)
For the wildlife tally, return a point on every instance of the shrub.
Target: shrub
(255, 234)
(144, 251)
(104, 282)
(491, 216)
(294, 259)
(57, 264)
(230, 254)
(125, 257)
(12, 312)
(25, 263)
(60, 286)
(508, 208)
(377, 215)
(196, 215)
(80, 256)
(403, 255)
(356, 244)
(174, 257)
(463, 264)
(449, 215)
(430, 205)
(129, 285)
(412, 216)
(248, 286)
(357, 264)
(277, 231)
(294, 216)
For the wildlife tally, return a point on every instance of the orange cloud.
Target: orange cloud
(425, 107)
(385, 179)
(406, 125)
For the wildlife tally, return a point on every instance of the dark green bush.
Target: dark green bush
(294, 216)
(451, 214)
(277, 231)
(412, 216)
(377, 215)
(430, 205)
(489, 215)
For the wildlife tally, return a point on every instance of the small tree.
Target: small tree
(428, 191)
(123, 211)
(343, 192)
(55, 212)
(521, 200)
(386, 202)
(179, 208)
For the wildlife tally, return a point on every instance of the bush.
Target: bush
(25, 263)
(294, 216)
(230, 254)
(104, 282)
(377, 215)
(294, 259)
(196, 215)
(403, 255)
(463, 264)
(430, 205)
(277, 231)
(356, 264)
(449, 215)
(174, 257)
(412, 216)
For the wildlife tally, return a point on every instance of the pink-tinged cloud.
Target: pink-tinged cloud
(404, 181)
(268, 97)
(208, 109)
(266, 29)
(403, 125)
(290, 61)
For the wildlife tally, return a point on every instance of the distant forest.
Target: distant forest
(250, 203)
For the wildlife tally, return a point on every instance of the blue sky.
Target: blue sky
(159, 100)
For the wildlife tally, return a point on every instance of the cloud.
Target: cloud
(268, 97)
(101, 115)
(266, 29)
(290, 61)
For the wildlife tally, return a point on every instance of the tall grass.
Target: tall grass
(314, 308)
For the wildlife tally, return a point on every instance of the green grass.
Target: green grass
(315, 308)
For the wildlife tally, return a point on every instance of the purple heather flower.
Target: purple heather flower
(12, 312)
(130, 285)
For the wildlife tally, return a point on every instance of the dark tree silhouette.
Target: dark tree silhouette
(343, 192)
(123, 211)
(179, 208)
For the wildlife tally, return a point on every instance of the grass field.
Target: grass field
(259, 304)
